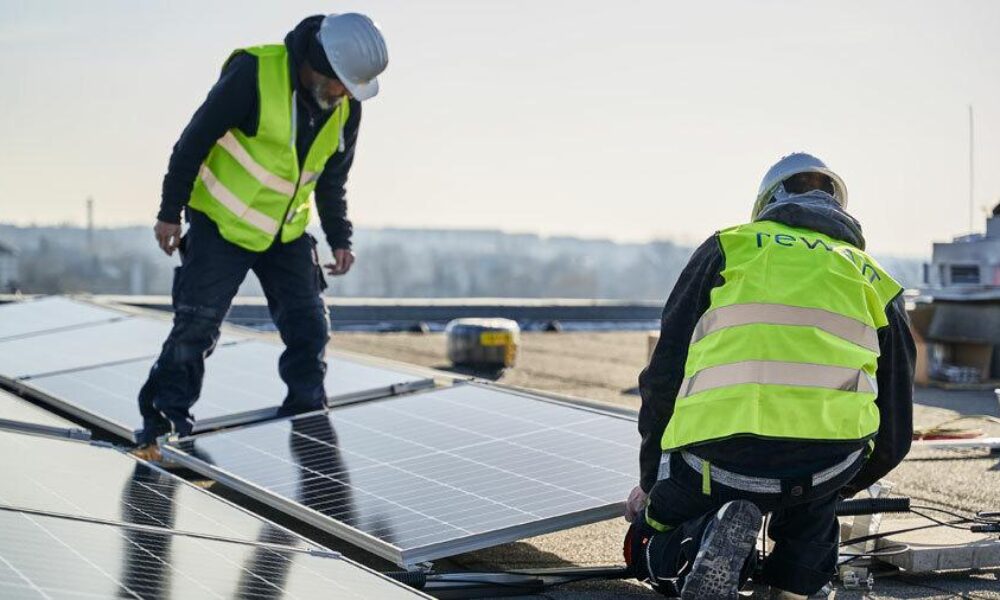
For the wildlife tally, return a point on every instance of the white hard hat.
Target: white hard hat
(356, 50)
(793, 164)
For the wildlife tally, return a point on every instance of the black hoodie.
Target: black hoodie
(689, 300)
(233, 103)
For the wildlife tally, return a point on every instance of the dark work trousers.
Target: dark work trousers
(803, 525)
(210, 274)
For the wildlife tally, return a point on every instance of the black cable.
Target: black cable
(960, 519)
(868, 506)
(978, 517)
(951, 524)
(884, 534)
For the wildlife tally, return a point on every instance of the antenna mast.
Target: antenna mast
(972, 170)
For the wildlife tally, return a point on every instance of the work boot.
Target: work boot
(725, 546)
(148, 452)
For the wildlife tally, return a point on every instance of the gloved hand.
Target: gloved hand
(635, 504)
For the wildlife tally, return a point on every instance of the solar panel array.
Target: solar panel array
(412, 477)
(433, 474)
(82, 520)
(21, 415)
(96, 369)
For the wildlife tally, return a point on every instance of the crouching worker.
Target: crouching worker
(782, 381)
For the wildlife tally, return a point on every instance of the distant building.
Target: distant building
(8, 268)
(969, 266)
(963, 284)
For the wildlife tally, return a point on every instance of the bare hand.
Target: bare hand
(343, 259)
(635, 504)
(168, 236)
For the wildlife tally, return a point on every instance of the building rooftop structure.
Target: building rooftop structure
(967, 267)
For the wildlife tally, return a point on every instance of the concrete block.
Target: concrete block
(940, 548)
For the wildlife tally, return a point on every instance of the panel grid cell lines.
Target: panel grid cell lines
(100, 483)
(52, 557)
(433, 474)
(241, 385)
(21, 415)
(86, 520)
(48, 314)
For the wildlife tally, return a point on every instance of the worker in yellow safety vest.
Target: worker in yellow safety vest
(279, 126)
(781, 382)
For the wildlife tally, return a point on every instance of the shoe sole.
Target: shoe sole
(715, 573)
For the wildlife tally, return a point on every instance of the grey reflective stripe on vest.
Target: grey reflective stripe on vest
(308, 177)
(842, 326)
(779, 373)
(758, 485)
(265, 177)
(227, 198)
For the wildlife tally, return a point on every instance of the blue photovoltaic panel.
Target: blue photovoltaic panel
(241, 385)
(50, 557)
(432, 474)
(52, 313)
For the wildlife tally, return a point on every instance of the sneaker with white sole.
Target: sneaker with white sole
(725, 546)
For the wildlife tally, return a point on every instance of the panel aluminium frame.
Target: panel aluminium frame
(427, 379)
(17, 414)
(129, 432)
(175, 451)
(69, 407)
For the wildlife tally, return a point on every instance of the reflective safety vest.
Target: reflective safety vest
(788, 347)
(252, 187)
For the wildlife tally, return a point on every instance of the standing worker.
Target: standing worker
(281, 122)
(782, 381)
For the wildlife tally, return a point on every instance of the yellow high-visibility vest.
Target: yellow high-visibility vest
(252, 187)
(788, 348)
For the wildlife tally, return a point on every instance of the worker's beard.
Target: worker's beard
(325, 103)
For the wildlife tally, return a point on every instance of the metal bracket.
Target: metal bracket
(855, 575)
(852, 580)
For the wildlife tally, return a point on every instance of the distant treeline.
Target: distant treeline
(392, 263)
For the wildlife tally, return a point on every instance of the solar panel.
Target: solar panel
(83, 347)
(250, 370)
(21, 415)
(51, 557)
(99, 344)
(52, 313)
(98, 482)
(241, 385)
(418, 477)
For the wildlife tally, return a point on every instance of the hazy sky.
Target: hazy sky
(627, 120)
